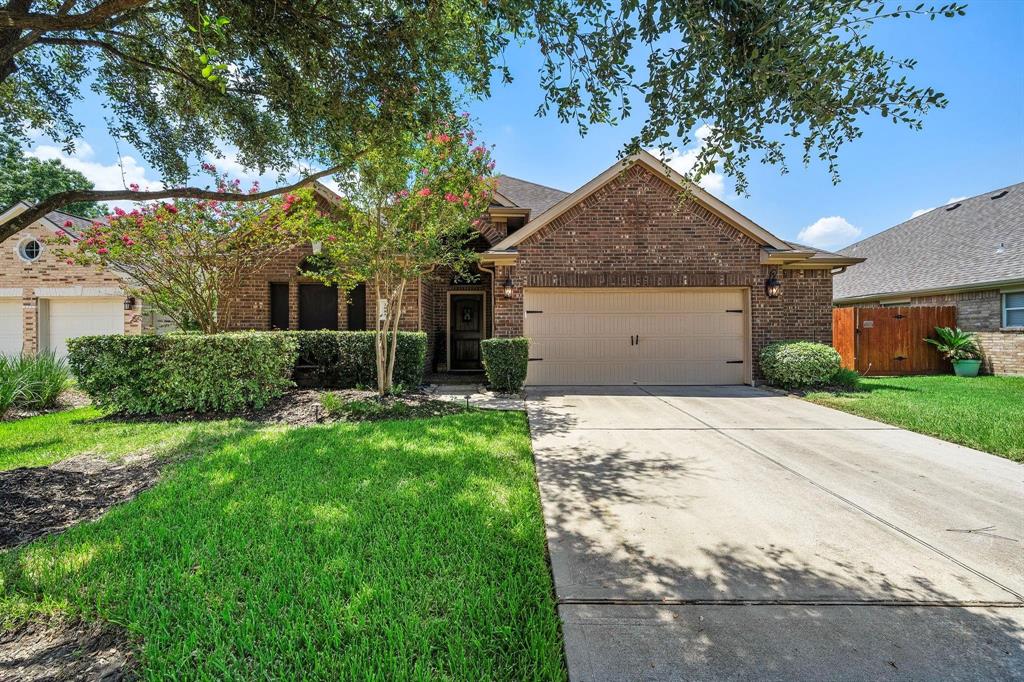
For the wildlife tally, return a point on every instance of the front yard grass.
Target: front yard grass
(986, 413)
(379, 550)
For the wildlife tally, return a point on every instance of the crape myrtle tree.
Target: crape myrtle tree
(405, 210)
(317, 83)
(188, 257)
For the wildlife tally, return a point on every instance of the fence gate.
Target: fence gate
(885, 341)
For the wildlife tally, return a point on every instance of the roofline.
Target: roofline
(715, 205)
(503, 200)
(909, 220)
(980, 286)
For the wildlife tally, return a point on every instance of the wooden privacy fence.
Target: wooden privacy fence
(885, 341)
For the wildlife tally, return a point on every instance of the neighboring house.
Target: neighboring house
(969, 254)
(44, 301)
(615, 283)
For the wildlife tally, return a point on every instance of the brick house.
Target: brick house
(615, 283)
(969, 254)
(44, 301)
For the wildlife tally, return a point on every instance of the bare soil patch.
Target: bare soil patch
(66, 650)
(38, 501)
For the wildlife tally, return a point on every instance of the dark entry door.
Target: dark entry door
(467, 328)
(318, 306)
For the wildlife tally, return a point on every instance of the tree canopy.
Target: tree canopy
(308, 82)
(29, 179)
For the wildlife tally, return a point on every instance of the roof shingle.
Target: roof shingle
(525, 194)
(980, 241)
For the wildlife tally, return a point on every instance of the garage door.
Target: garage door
(636, 336)
(71, 317)
(10, 326)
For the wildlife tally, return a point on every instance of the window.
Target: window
(29, 250)
(1013, 309)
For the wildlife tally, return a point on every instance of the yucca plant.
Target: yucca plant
(955, 344)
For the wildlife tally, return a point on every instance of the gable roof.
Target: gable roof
(971, 242)
(712, 203)
(525, 194)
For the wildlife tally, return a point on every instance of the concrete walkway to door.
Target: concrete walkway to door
(734, 533)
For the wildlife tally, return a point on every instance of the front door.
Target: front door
(466, 330)
(318, 306)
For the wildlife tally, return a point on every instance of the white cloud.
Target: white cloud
(922, 211)
(103, 176)
(829, 233)
(682, 161)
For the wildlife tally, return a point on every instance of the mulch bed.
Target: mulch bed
(303, 407)
(70, 399)
(66, 650)
(38, 501)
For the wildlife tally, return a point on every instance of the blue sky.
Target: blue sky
(974, 145)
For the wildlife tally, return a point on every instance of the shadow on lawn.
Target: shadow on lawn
(385, 549)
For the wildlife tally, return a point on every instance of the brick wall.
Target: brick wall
(634, 233)
(49, 272)
(1003, 351)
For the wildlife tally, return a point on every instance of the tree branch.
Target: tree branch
(12, 225)
(35, 21)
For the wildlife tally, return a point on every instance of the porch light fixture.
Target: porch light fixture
(772, 285)
(509, 286)
(129, 302)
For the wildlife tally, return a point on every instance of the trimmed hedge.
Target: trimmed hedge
(796, 364)
(205, 373)
(505, 361)
(347, 359)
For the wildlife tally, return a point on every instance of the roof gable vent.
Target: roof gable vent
(1001, 194)
(953, 207)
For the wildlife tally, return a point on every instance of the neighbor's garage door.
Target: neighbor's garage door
(636, 336)
(10, 326)
(71, 317)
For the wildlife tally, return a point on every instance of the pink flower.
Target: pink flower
(68, 223)
(425, 192)
(102, 251)
(424, 171)
(451, 198)
(119, 212)
(171, 208)
(134, 187)
(331, 238)
(69, 261)
(444, 138)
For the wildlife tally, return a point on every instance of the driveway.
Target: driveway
(734, 533)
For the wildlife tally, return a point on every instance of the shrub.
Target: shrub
(848, 379)
(205, 373)
(347, 359)
(796, 364)
(505, 361)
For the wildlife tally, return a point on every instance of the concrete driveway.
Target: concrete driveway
(734, 533)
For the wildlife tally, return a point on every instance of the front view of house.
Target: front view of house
(616, 283)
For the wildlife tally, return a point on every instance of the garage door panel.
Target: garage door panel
(10, 326)
(685, 336)
(72, 317)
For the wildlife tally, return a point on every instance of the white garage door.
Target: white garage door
(10, 326)
(71, 317)
(636, 336)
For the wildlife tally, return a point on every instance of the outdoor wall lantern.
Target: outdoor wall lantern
(772, 285)
(509, 287)
(129, 302)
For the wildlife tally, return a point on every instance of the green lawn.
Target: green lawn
(383, 550)
(986, 413)
(43, 440)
